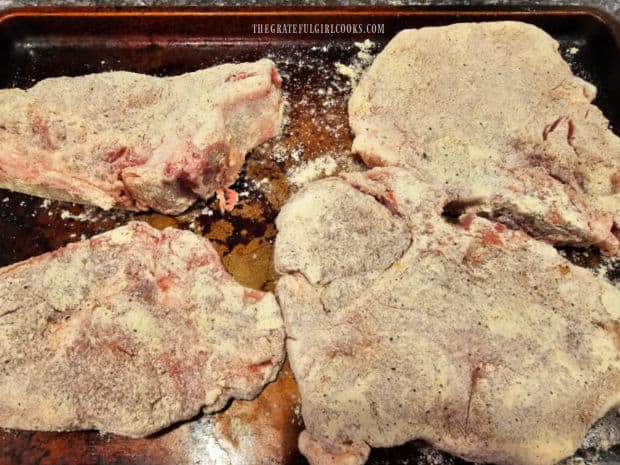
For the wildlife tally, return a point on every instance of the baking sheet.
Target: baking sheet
(318, 71)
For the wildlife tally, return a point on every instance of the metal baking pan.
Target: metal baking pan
(41, 43)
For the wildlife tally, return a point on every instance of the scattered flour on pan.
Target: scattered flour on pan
(604, 433)
(206, 211)
(249, 187)
(323, 166)
(84, 216)
(431, 456)
(311, 170)
(601, 266)
(610, 268)
(280, 153)
(88, 213)
(362, 60)
(92, 214)
(296, 154)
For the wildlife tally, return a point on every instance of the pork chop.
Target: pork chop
(471, 336)
(493, 114)
(126, 140)
(129, 332)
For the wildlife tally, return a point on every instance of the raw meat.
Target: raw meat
(471, 336)
(129, 332)
(126, 140)
(493, 114)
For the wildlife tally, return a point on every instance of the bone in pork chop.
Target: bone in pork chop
(132, 141)
(129, 332)
(493, 114)
(471, 336)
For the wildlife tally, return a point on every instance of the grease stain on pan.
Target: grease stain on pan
(262, 431)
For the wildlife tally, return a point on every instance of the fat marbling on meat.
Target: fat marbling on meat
(493, 114)
(472, 336)
(130, 332)
(138, 142)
